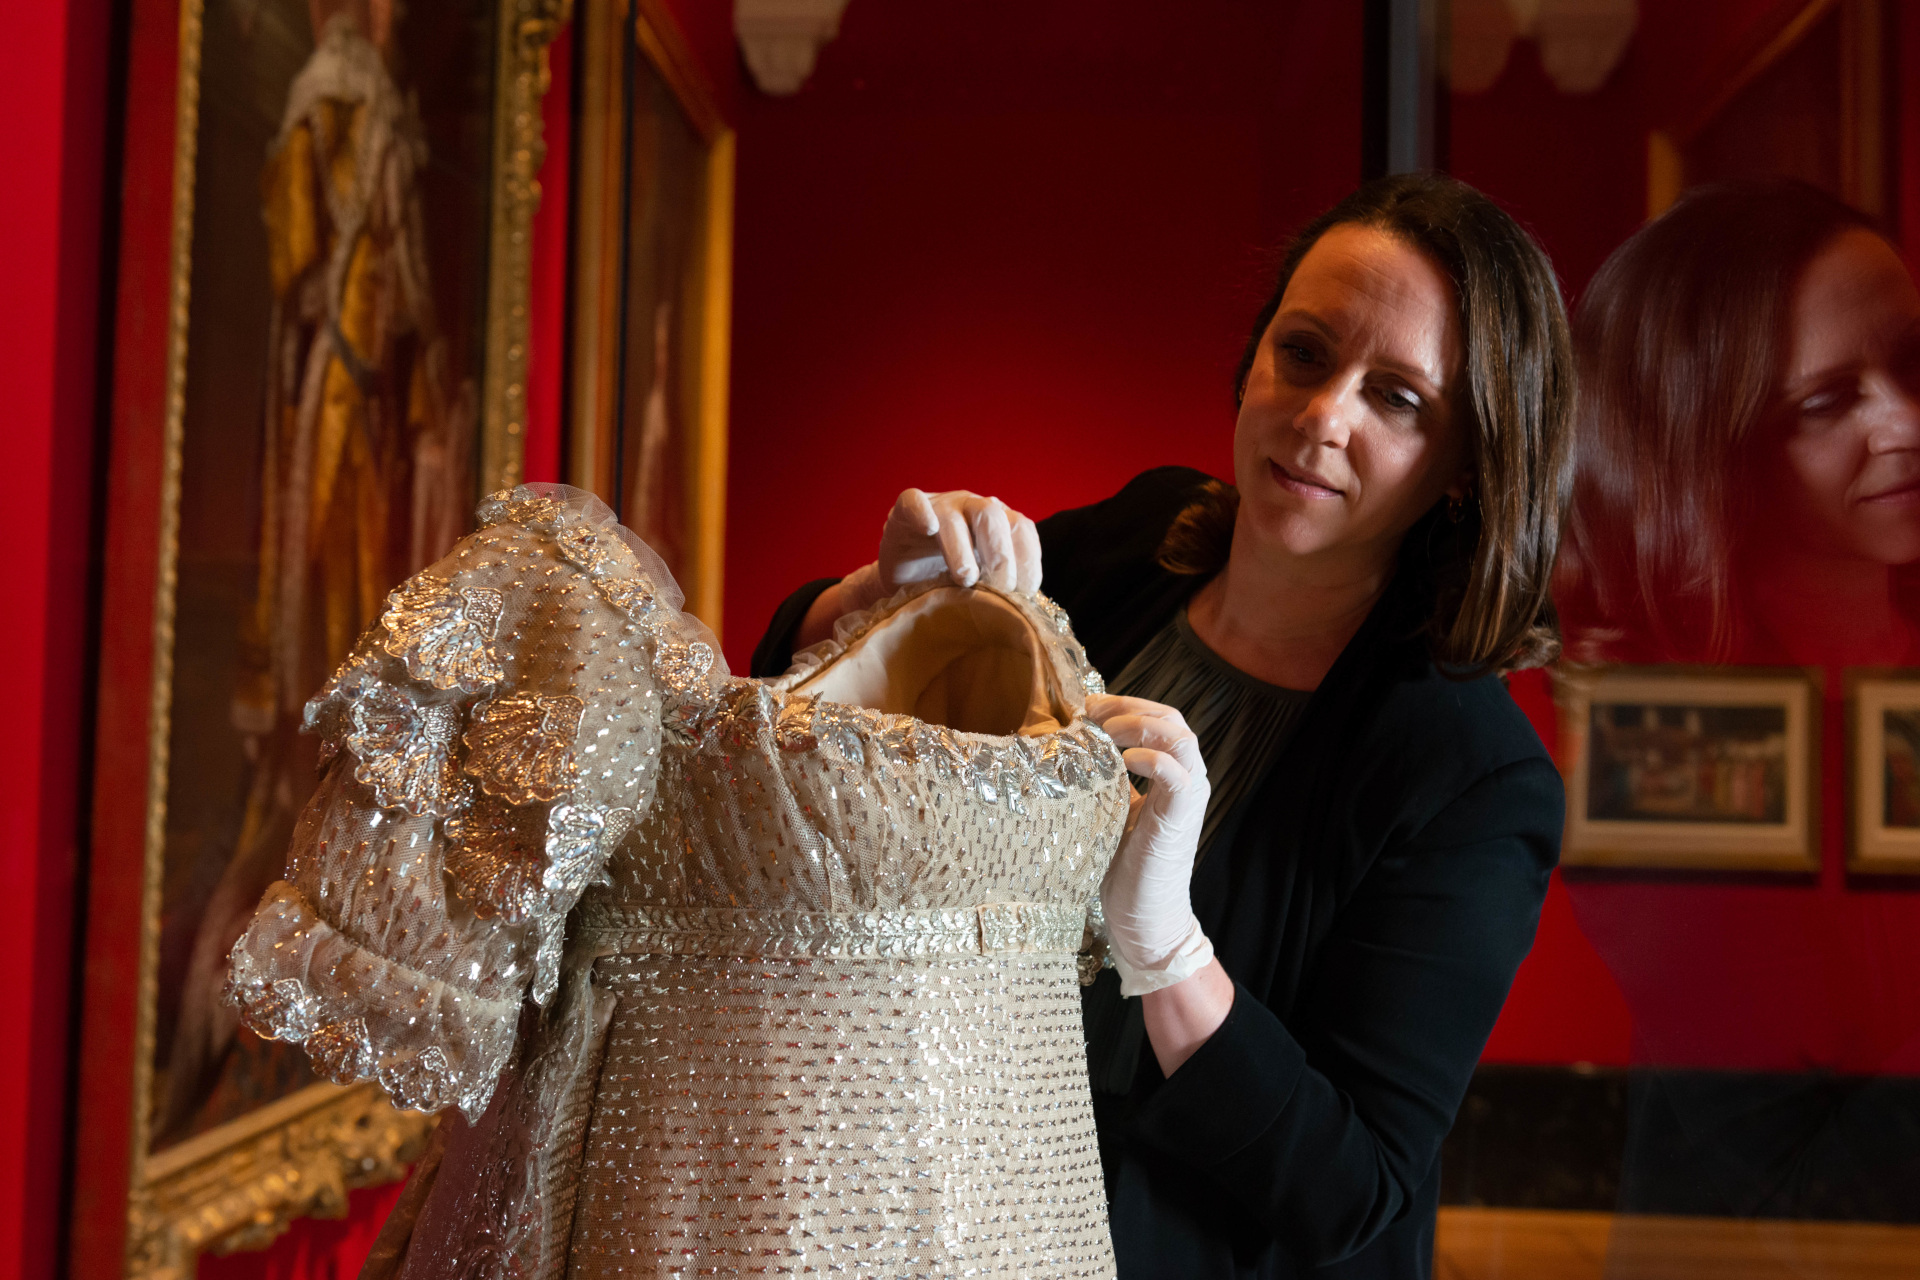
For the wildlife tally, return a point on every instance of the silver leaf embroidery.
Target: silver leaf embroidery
(840, 726)
(495, 857)
(342, 1051)
(682, 666)
(793, 730)
(404, 752)
(444, 635)
(579, 839)
(521, 746)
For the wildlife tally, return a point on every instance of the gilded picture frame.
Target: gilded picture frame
(652, 276)
(1691, 768)
(237, 1182)
(1883, 771)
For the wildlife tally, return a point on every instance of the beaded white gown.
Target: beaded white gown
(717, 976)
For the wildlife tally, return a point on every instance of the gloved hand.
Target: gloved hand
(959, 533)
(1151, 930)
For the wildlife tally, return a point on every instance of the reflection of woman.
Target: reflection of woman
(1322, 920)
(1748, 490)
(1749, 476)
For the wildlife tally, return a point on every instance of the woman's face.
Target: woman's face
(1347, 432)
(1846, 480)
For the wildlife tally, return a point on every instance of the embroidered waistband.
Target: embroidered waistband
(726, 931)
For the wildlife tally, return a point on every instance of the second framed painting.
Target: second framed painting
(1883, 760)
(1692, 768)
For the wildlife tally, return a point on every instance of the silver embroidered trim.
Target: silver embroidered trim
(682, 666)
(998, 770)
(991, 929)
(520, 746)
(423, 1078)
(403, 752)
(495, 858)
(444, 634)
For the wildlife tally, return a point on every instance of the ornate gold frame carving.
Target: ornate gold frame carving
(239, 1185)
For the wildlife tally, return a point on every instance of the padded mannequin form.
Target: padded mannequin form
(962, 658)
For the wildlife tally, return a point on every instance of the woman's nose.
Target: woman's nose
(1896, 415)
(1328, 416)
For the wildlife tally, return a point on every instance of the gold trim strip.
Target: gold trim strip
(186, 139)
(597, 238)
(527, 28)
(709, 541)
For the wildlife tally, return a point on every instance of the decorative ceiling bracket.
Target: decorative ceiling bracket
(781, 38)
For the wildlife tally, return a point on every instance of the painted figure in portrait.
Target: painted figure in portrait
(323, 464)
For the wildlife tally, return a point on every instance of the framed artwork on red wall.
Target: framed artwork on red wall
(1695, 768)
(320, 366)
(651, 291)
(1883, 767)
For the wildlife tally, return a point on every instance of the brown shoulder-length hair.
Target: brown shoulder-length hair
(1681, 340)
(1489, 573)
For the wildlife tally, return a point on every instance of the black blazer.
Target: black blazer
(1371, 901)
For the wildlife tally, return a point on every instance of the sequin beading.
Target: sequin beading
(718, 931)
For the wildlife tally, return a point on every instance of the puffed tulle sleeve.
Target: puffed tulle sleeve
(488, 742)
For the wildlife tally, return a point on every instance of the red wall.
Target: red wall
(53, 68)
(1010, 248)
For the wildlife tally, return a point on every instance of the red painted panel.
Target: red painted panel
(53, 73)
(547, 304)
(126, 646)
(1012, 249)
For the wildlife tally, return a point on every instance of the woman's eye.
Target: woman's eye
(1829, 402)
(1399, 399)
(1294, 353)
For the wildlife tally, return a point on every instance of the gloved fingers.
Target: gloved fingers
(1155, 733)
(1138, 722)
(908, 551)
(1026, 554)
(956, 543)
(1102, 707)
(912, 515)
(1165, 770)
(992, 541)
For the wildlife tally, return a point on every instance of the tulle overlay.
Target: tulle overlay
(717, 975)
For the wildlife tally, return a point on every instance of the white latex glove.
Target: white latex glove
(1151, 930)
(959, 533)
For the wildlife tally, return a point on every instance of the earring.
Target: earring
(1456, 508)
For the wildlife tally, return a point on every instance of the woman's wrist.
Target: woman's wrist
(1182, 1017)
(817, 624)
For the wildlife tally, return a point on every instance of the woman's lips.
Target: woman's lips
(1304, 483)
(1907, 490)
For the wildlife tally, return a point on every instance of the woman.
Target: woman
(1322, 920)
(1748, 491)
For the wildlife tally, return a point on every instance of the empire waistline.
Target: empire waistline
(987, 929)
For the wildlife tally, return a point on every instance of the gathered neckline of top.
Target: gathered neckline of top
(1183, 627)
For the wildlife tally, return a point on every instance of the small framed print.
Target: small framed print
(1701, 768)
(1883, 759)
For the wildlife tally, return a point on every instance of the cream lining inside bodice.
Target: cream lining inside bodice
(966, 659)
